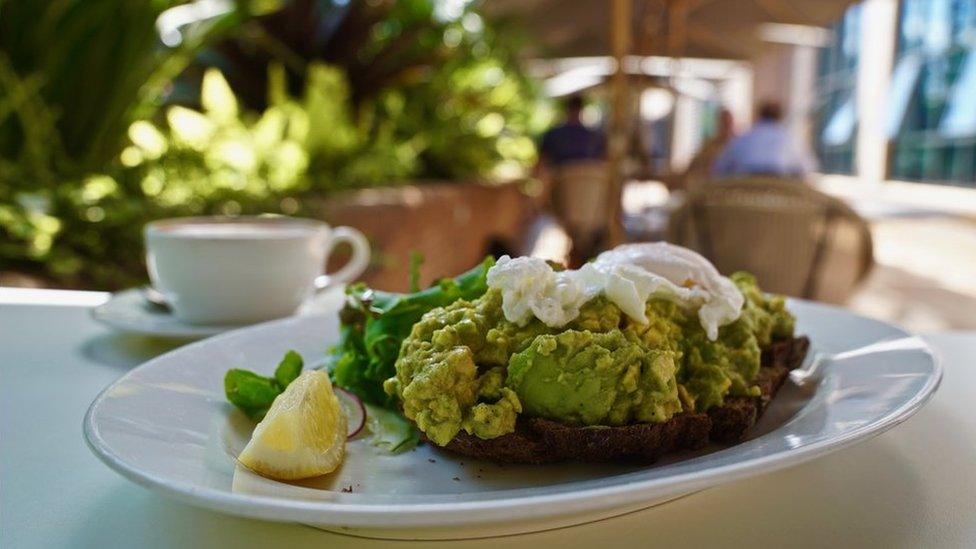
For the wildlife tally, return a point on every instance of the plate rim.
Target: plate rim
(527, 507)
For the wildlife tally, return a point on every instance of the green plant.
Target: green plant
(87, 156)
(218, 160)
(73, 75)
(431, 73)
(221, 154)
(76, 73)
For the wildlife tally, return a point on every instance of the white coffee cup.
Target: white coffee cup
(241, 270)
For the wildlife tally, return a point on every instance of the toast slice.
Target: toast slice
(537, 440)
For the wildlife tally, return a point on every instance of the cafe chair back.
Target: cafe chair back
(580, 200)
(797, 240)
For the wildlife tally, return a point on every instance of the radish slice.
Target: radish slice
(355, 411)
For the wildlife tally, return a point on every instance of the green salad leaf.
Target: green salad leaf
(375, 323)
(288, 369)
(254, 393)
(390, 430)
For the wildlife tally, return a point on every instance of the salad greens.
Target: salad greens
(375, 323)
(391, 431)
(254, 393)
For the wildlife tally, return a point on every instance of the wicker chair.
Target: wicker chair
(797, 241)
(580, 199)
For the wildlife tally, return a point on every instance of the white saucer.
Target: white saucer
(128, 311)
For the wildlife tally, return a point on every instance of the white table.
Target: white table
(914, 486)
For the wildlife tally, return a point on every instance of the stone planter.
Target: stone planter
(454, 225)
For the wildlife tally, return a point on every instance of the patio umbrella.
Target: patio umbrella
(722, 29)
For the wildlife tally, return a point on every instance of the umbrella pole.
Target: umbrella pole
(676, 12)
(620, 37)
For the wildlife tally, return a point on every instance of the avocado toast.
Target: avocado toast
(644, 351)
(608, 362)
(538, 440)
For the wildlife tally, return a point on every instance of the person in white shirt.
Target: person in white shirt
(767, 148)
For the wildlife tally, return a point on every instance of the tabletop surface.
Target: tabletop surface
(910, 487)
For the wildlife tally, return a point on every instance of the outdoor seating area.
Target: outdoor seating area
(374, 273)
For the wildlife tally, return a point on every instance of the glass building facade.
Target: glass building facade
(835, 112)
(930, 118)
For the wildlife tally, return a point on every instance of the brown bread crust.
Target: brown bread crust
(538, 440)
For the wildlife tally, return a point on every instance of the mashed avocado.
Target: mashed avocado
(465, 367)
(707, 370)
(589, 378)
(451, 370)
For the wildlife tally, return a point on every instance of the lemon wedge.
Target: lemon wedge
(303, 434)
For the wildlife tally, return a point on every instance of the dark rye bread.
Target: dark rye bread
(538, 440)
(731, 421)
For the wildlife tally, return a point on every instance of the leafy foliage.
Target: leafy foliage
(384, 92)
(442, 77)
(74, 74)
(222, 156)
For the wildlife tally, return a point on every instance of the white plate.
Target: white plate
(165, 425)
(128, 311)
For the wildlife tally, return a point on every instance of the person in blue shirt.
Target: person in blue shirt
(571, 159)
(571, 141)
(768, 148)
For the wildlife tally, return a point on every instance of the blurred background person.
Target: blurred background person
(767, 148)
(572, 162)
(572, 141)
(700, 168)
